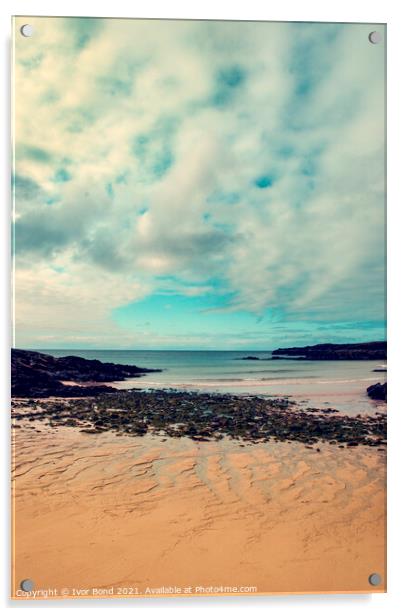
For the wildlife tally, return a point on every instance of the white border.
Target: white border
(389, 11)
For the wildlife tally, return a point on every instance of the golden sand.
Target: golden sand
(103, 515)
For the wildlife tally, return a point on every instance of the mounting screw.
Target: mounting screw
(27, 30)
(374, 579)
(375, 37)
(27, 585)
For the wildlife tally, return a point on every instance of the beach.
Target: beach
(105, 512)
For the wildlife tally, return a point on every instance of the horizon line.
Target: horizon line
(244, 350)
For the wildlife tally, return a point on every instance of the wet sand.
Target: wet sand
(132, 515)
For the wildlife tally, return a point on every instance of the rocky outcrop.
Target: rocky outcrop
(332, 352)
(378, 391)
(36, 374)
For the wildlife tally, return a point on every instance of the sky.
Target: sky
(197, 185)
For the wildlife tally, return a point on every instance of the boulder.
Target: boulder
(378, 391)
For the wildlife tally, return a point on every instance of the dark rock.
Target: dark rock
(378, 391)
(332, 352)
(177, 414)
(41, 375)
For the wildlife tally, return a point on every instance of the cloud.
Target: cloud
(70, 301)
(247, 153)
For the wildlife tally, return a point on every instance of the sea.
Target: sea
(334, 384)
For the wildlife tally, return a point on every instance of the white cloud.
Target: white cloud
(216, 106)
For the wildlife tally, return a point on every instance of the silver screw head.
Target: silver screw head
(27, 30)
(27, 585)
(375, 579)
(375, 37)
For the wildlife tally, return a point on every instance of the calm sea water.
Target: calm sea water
(338, 384)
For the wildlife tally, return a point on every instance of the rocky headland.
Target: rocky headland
(41, 375)
(331, 352)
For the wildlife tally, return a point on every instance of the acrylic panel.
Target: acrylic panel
(199, 334)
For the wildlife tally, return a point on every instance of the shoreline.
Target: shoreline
(39, 375)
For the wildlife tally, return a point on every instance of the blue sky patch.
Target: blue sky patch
(62, 175)
(263, 181)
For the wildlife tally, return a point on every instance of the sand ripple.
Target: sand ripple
(95, 510)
